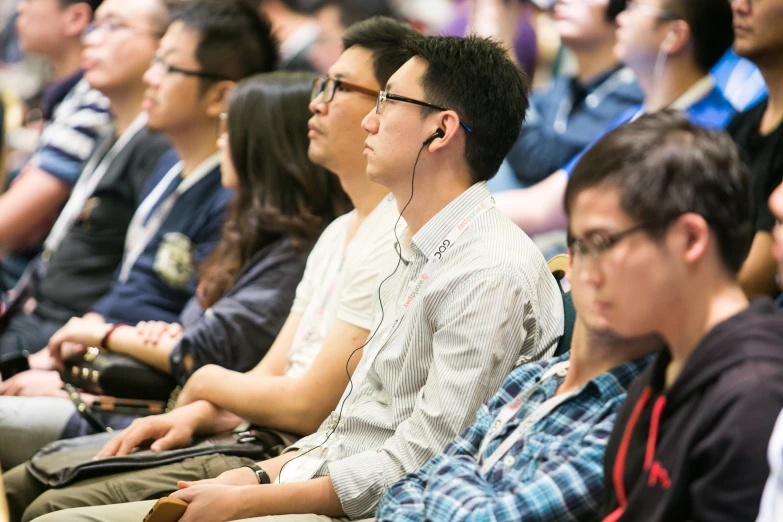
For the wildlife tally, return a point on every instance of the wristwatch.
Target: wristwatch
(263, 476)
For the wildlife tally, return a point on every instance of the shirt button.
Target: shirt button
(508, 461)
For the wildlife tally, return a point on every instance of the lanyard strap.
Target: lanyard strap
(422, 280)
(148, 219)
(92, 174)
(509, 412)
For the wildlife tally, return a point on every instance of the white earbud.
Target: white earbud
(668, 42)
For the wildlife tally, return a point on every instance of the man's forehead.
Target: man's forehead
(354, 65)
(406, 78)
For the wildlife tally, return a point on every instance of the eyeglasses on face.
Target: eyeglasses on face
(596, 244)
(655, 12)
(383, 96)
(326, 87)
(110, 27)
(159, 63)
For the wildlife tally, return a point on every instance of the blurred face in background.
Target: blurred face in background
(44, 26)
(583, 23)
(757, 28)
(121, 43)
(329, 45)
(641, 33)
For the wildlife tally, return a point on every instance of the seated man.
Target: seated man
(301, 379)
(441, 345)
(671, 46)
(759, 132)
(75, 117)
(668, 205)
(536, 449)
(566, 117)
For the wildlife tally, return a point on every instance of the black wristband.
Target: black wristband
(261, 475)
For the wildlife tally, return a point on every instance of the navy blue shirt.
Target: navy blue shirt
(564, 119)
(162, 280)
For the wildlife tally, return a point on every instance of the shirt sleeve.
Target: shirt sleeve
(405, 499)
(565, 489)
(460, 378)
(71, 138)
(238, 330)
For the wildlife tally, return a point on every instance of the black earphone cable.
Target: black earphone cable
(400, 260)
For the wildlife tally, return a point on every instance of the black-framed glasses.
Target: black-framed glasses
(110, 27)
(159, 62)
(655, 12)
(328, 86)
(383, 96)
(596, 244)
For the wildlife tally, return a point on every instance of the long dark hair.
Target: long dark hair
(280, 191)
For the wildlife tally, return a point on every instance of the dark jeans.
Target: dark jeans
(31, 332)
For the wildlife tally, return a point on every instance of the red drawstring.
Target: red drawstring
(622, 453)
(652, 439)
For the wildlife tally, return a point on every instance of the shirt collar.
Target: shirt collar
(205, 167)
(610, 384)
(427, 240)
(56, 93)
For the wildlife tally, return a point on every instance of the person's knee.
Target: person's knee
(49, 502)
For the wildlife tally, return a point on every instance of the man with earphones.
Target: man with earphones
(470, 299)
(671, 45)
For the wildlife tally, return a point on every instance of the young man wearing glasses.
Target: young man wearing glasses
(659, 234)
(302, 377)
(75, 116)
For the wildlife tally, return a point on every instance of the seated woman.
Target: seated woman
(246, 287)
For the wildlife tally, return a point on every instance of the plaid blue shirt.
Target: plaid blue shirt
(556, 470)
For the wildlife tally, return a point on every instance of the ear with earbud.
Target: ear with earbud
(435, 135)
(669, 41)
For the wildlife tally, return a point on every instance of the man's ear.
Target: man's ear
(77, 17)
(450, 126)
(217, 97)
(693, 237)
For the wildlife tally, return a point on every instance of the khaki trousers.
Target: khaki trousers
(135, 511)
(28, 499)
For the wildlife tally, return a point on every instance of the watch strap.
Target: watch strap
(261, 475)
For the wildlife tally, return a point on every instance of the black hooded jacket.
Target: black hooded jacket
(697, 451)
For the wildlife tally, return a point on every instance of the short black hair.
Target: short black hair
(384, 38)
(94, 4)
(354, 11)
(614, 8)
(712, 30)
(475, 77)
(665, 166)
(235, 42)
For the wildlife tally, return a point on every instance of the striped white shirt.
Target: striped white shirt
(491, 305)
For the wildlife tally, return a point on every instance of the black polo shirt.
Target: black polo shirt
(764, 154)
(81, 270)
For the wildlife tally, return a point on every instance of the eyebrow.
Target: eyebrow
(388, 87)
